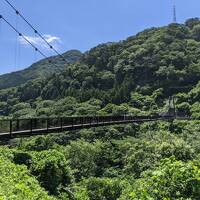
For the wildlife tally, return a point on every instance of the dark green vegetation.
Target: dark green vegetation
(39, 69)
(158, 160)
(132, 76)
(150, 161)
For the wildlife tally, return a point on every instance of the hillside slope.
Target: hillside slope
(131, 76)
(136, 161)
(39, 69)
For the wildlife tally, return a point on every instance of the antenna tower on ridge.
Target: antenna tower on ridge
(174, 12)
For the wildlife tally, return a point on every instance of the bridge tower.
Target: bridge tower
(172, 106)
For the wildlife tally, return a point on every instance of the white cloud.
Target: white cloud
(40, 43)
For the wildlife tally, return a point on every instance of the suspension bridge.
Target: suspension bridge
(12, 128)
(40, 126)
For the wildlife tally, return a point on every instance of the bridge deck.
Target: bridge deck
(72, 124)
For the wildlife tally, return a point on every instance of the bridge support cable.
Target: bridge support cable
(17, 49)
(61, 123)
(21, 35)
(25, 39)
(15, 45)
(10, 128)
(31, 126)
(0, 28)
(35, 30)
(35, 52)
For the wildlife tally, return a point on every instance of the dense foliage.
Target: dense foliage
(16, 183)
(45, 67)
(158, 160)
(155, 160)
(132, 76)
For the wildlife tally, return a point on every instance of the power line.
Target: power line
(35, 31)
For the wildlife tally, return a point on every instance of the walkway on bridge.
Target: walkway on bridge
(38, 126)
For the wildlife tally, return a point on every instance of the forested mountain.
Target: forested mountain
(42, 68)
(137, 74)
(149, 161)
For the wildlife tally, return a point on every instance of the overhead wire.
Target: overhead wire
(0, 30)
(24, 37)
(35, 52)
(16, 45)
(34, 29)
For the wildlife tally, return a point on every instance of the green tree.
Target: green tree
(52, 170)
(172, 179)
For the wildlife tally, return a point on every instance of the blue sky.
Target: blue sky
(81, 24)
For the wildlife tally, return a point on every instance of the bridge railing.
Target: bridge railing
(14, 126)
(4, 126)
(20, 125)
